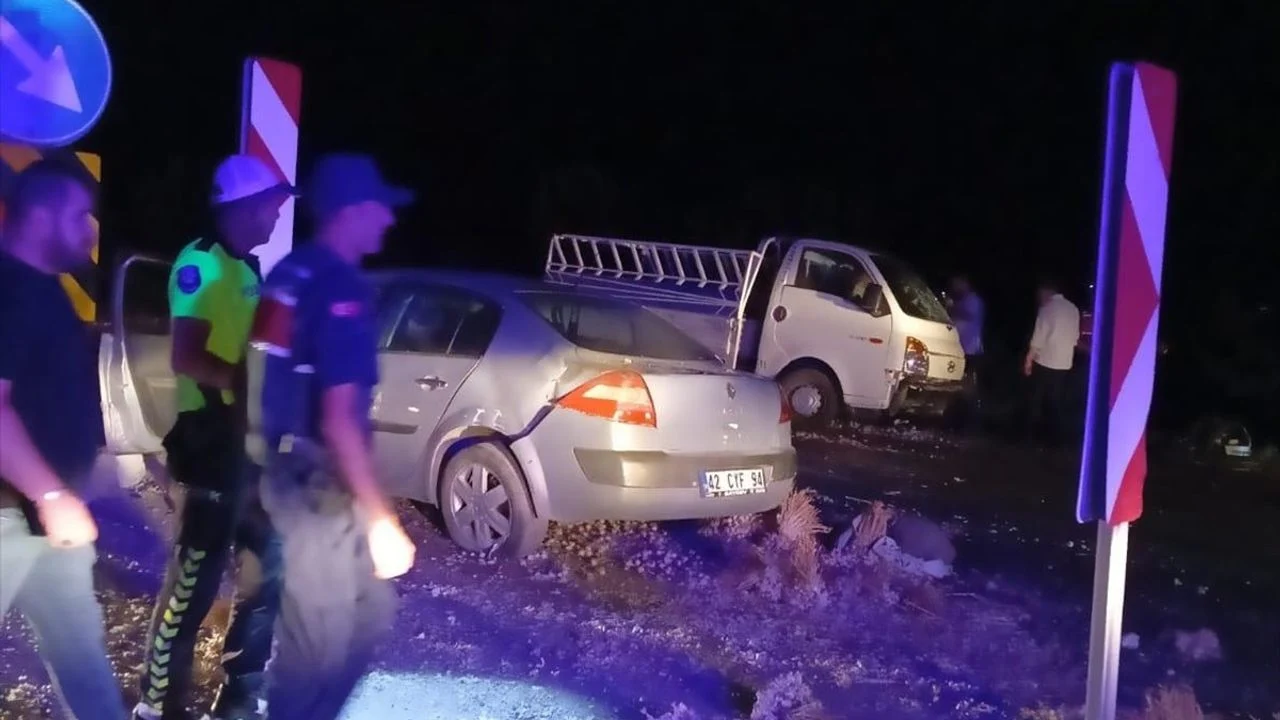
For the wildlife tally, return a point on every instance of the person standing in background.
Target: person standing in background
(342, 539)
(968, 312)
(51, 432)
(1050, 356)
(213, 293)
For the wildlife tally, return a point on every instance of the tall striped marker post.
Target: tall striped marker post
(1135, 192)
(270, 111)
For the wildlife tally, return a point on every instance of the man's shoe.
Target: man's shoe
(254, 710)
(240, 699)
(146, 712)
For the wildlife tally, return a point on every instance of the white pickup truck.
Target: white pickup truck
(838, 326)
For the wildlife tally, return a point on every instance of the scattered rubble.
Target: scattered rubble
(922, 538)
(679, 711)
(787, 698)
(874, 530)
(1200, 645)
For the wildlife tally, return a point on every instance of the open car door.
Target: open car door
(138, 387)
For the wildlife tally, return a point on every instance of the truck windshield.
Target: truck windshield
(913, 293)
(614, 327)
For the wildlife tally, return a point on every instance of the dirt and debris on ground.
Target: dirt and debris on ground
(768, 617)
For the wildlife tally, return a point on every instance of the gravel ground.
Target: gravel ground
(711, 620)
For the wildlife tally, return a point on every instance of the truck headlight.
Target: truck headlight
(916, 360)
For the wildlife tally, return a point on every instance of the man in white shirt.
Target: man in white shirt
(968, 313)
(1049, 359)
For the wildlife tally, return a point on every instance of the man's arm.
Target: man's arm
(345, 436)
(20, 461)
(341, 362)
(192, 358)
(191, 309)
(1038, 339)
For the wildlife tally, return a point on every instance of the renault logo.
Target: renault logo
(731, 390)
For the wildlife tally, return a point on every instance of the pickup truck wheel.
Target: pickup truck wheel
(813, 398)
(485, 504)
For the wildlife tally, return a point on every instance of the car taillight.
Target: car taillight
(916, 359)
(619, 395)
(785, 415)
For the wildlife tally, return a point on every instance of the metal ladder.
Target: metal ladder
(693, 265)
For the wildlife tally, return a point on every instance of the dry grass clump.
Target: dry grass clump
(799, 527)
(871, 526)
(787, 698)
(925, 598)
(1172, 703)
(790, 558)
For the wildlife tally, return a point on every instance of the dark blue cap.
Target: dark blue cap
(342, 179)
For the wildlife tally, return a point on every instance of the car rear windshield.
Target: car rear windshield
(913, 293)
(615, 327)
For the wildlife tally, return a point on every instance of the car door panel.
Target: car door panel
(809, 319)
(428, 355)
(137, 382)
(407, 410)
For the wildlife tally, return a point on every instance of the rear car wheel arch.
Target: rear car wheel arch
(815, 373)
(487, 453)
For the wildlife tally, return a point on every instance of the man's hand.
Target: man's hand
(66, 520)
(1027, 365)
(390, 547)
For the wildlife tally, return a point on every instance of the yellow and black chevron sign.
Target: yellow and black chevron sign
(82, 287)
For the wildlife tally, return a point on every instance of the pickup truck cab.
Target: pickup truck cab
(839, 327)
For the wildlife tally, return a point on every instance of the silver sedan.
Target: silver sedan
(509, 404)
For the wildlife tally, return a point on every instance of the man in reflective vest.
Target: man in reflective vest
(213, 294)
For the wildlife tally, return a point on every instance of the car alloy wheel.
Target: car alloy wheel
(806, 401)
(479, 507)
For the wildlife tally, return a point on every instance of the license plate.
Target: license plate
(727, 483)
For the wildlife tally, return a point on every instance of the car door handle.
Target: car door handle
(431, 382)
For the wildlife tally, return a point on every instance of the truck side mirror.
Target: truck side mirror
(873, 300)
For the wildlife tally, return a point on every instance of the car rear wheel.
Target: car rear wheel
(813, 398)
(485, 504)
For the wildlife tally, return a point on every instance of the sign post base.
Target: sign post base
(1110, 564)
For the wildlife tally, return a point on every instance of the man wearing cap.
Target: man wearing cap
(213, 293)
(342, 539)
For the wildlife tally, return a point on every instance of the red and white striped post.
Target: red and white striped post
(271, 107)
(1135, 193)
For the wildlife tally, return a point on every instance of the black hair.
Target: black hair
(44, 183)
(1050, 283)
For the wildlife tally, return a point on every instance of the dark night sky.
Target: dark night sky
(959, 137)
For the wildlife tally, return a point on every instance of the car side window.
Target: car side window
(479, 324)
(391, 303)
(445, 321)
(604, 329)
(833, 273)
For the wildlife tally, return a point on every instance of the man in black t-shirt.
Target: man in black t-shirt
(50, 434)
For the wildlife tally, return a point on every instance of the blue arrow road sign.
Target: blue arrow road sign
(55, 72)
